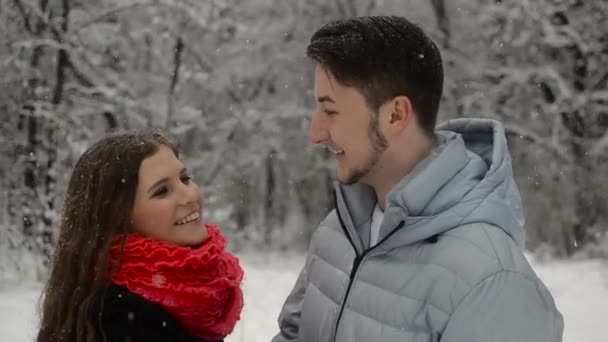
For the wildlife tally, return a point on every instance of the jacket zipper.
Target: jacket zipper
(356, 264)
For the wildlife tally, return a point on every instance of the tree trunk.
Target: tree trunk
(177, 62)
(443, 21)
(587, 213)
(62, 55)
(268, 202)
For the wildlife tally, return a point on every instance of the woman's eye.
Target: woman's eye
(186, 179)
(160, 192)
(330, 112)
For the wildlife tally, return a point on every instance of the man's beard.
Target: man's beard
(379, 145)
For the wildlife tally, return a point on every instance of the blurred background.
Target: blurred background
(229, 79)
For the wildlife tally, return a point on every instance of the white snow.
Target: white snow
(18, 307)
(579, 287)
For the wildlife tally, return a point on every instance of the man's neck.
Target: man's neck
(385, 184)
(387, 177)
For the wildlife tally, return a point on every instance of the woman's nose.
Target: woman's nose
(189, 194)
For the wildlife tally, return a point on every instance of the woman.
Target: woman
(134, 260)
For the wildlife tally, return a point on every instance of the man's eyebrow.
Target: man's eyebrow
(325, 98)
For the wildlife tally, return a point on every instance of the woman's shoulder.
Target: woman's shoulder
(129, 317)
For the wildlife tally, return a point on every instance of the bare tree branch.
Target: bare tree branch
(110, 13)
(352, 9)
(202, 61)
(25, 17)
(531, 136)
(523, 133)
(79, 66)
(214, 166)
(601, 145)
(370, 7)
(41, 42)
(523, 76)
(443, 20)
(40, 12)
(342, 9)
(181, 6)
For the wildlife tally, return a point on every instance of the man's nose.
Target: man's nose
(318, 131)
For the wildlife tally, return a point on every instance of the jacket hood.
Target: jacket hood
(467, 178)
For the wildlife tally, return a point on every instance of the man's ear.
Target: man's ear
(401, 114)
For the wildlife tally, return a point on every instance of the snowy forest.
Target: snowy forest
(230, 81)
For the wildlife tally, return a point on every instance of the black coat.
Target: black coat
(129, 317)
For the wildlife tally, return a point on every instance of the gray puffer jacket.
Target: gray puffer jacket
(448, 266)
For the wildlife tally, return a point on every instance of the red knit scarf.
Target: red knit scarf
(199, 287)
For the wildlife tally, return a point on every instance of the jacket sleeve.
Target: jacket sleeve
(506, 307)
(289, 318)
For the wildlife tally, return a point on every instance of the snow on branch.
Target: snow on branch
(35, 42)
(189, 10)
(600, 145)
(523, 76)
(548, 144)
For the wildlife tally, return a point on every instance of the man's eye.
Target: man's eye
(330, 112)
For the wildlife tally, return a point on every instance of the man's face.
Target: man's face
(345, 124)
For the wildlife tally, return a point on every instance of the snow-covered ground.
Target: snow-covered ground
(580, 289)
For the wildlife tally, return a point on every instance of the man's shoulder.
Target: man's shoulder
(328, 235)
(476, 251)
(330, 222)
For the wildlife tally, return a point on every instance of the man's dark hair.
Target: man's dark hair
(383, 57)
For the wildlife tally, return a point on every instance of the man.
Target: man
(426, 239)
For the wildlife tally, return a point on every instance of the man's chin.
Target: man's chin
(348, 182)
(349, 178)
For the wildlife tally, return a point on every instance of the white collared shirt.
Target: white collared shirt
(377, 217)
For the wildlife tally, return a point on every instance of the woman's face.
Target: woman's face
(168, 204)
